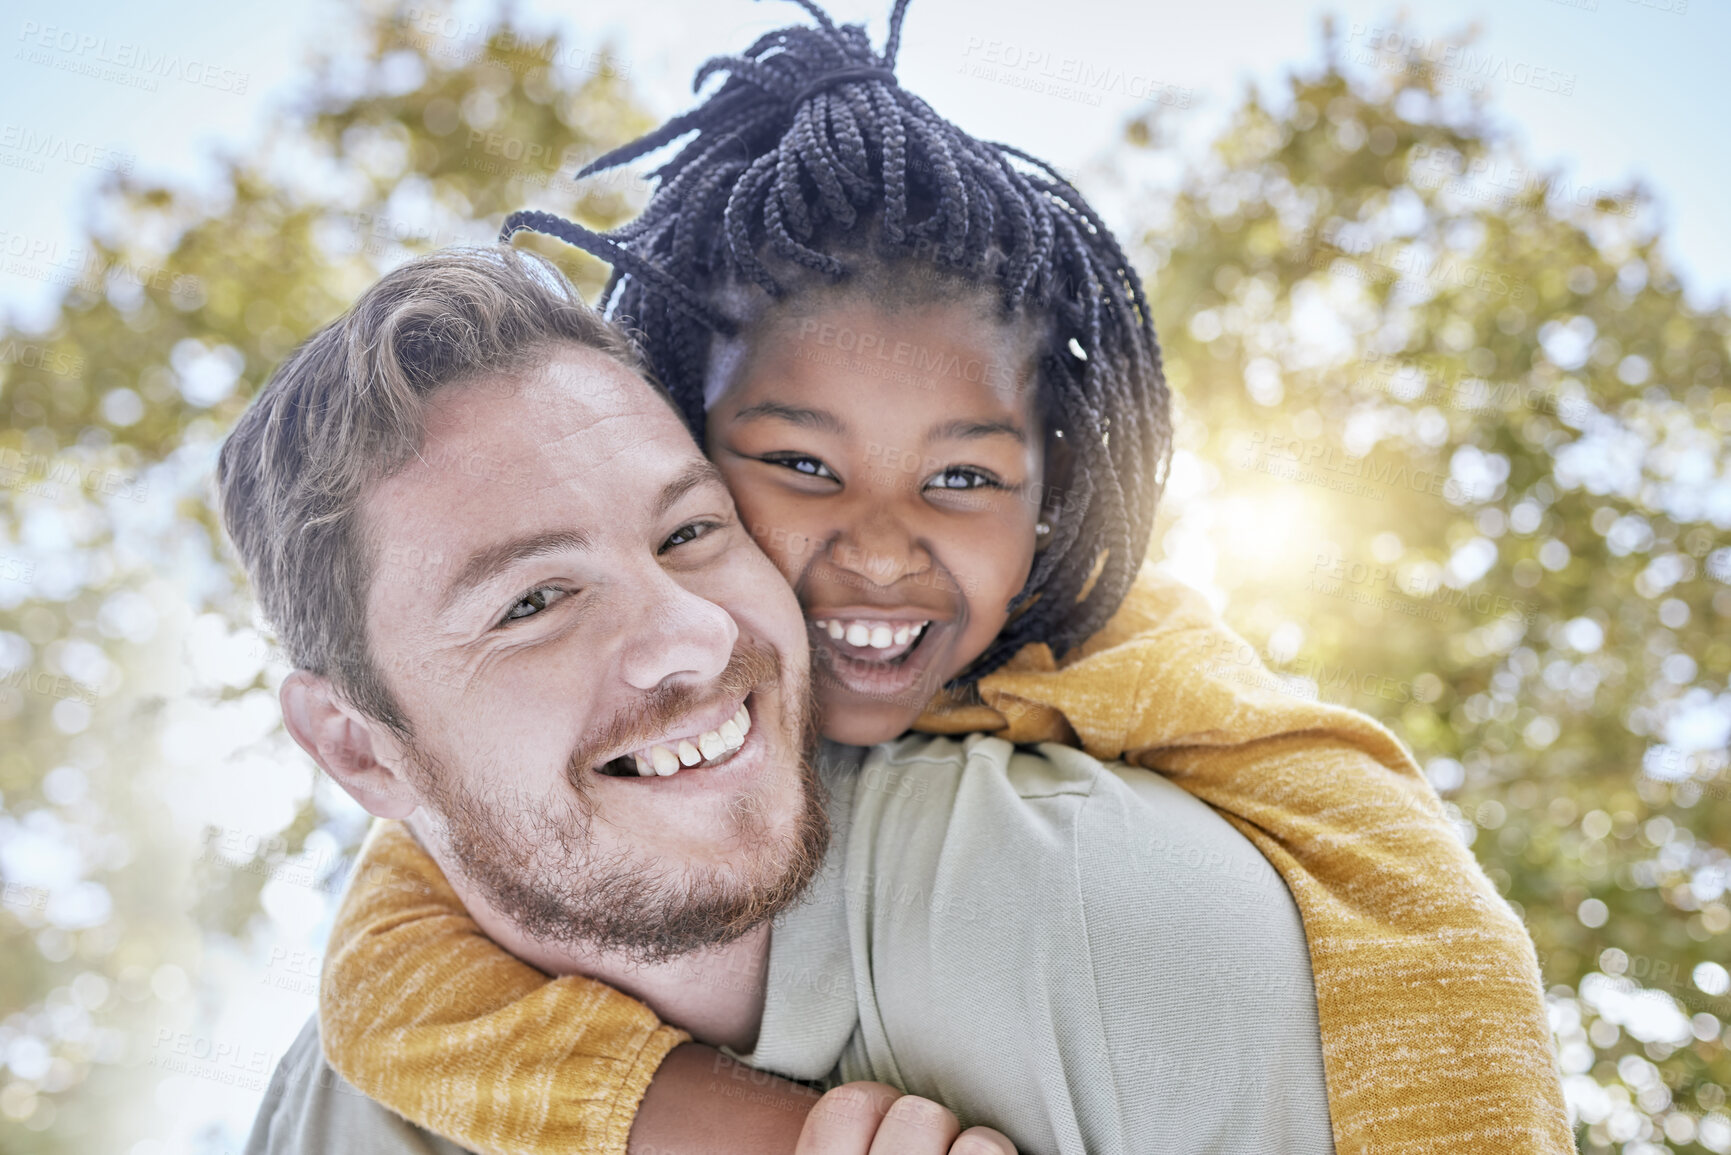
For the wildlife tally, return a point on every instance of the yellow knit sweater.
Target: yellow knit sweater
(1434, 1036)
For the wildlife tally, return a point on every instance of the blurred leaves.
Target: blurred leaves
(1455, 450)
(137, 713)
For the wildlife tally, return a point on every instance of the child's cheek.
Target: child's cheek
(996, 566)
(989, 572)
(776, 533)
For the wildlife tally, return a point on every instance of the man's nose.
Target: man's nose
(674, 634)
(878, 546)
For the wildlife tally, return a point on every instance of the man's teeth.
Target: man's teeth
(872, 635)
(708, 746)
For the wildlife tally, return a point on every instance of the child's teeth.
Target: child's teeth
(875, 635)
(663, 760)
(688, 754)
(710, 744)
(732, 737)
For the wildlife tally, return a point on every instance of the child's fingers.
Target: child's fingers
(845, 1119)
(982, 1141)
(915, 1126)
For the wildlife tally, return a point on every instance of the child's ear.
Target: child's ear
(361, 754)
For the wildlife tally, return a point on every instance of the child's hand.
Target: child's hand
(877, 1119)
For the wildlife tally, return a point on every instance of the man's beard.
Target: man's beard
(537, 867)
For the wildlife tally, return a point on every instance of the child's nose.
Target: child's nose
(879, 548)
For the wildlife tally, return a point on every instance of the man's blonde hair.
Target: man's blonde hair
(346, 410)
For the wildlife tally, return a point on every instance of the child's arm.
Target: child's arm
(425, 1014)
(1396, 910)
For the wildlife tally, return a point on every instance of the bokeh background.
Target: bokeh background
(1452, 451)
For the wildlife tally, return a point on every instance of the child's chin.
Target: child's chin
(855, 723)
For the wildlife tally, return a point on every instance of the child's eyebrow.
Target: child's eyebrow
(797, 415)
(964, 430)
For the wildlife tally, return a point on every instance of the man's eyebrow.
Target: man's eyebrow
(490, 560)
(699, 472)
(798, 415)
(970, 430)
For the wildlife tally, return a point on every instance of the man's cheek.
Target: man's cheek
(768, 608)
(748, 583)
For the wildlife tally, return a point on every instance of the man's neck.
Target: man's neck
(715, 994)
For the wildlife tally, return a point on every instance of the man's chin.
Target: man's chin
(538, 868)
(542, 876)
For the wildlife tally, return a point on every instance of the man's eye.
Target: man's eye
(534, 602)
(686, 534)
(963, 477)
(800, 463)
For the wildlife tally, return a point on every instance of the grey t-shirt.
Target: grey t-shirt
(1079, 954)
(309, 1109)
(1076, 953)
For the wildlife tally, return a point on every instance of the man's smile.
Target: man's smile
(703, 749)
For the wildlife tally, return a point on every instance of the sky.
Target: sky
(1606, 90)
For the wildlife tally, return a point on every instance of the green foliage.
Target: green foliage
(1460, 455)
(1452, 438)
(174, 313)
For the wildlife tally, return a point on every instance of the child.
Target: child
(969, 558)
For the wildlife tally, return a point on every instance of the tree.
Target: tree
(1456, 455)
(131, 666)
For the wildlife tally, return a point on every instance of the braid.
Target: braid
(808, 145)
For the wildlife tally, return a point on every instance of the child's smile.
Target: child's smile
(874, 654)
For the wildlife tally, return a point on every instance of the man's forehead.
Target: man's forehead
(570, 389)
(577, 433)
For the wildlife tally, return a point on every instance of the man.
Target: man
(1025, 936)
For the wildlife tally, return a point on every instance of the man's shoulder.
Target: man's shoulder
(1109, 918)
(926, 803)
(309, 1109)
(919, 769)
(930, 765)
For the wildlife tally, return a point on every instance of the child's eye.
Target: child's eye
(534, 602)
(963, 477)
(800, 463)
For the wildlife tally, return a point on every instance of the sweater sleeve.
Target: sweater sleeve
(423, 1012)
(1434, 1032)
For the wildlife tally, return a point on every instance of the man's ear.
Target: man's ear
(362, 755)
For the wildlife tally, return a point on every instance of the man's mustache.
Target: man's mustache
(751, 666)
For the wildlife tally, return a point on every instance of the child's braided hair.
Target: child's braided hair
(809, 144)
